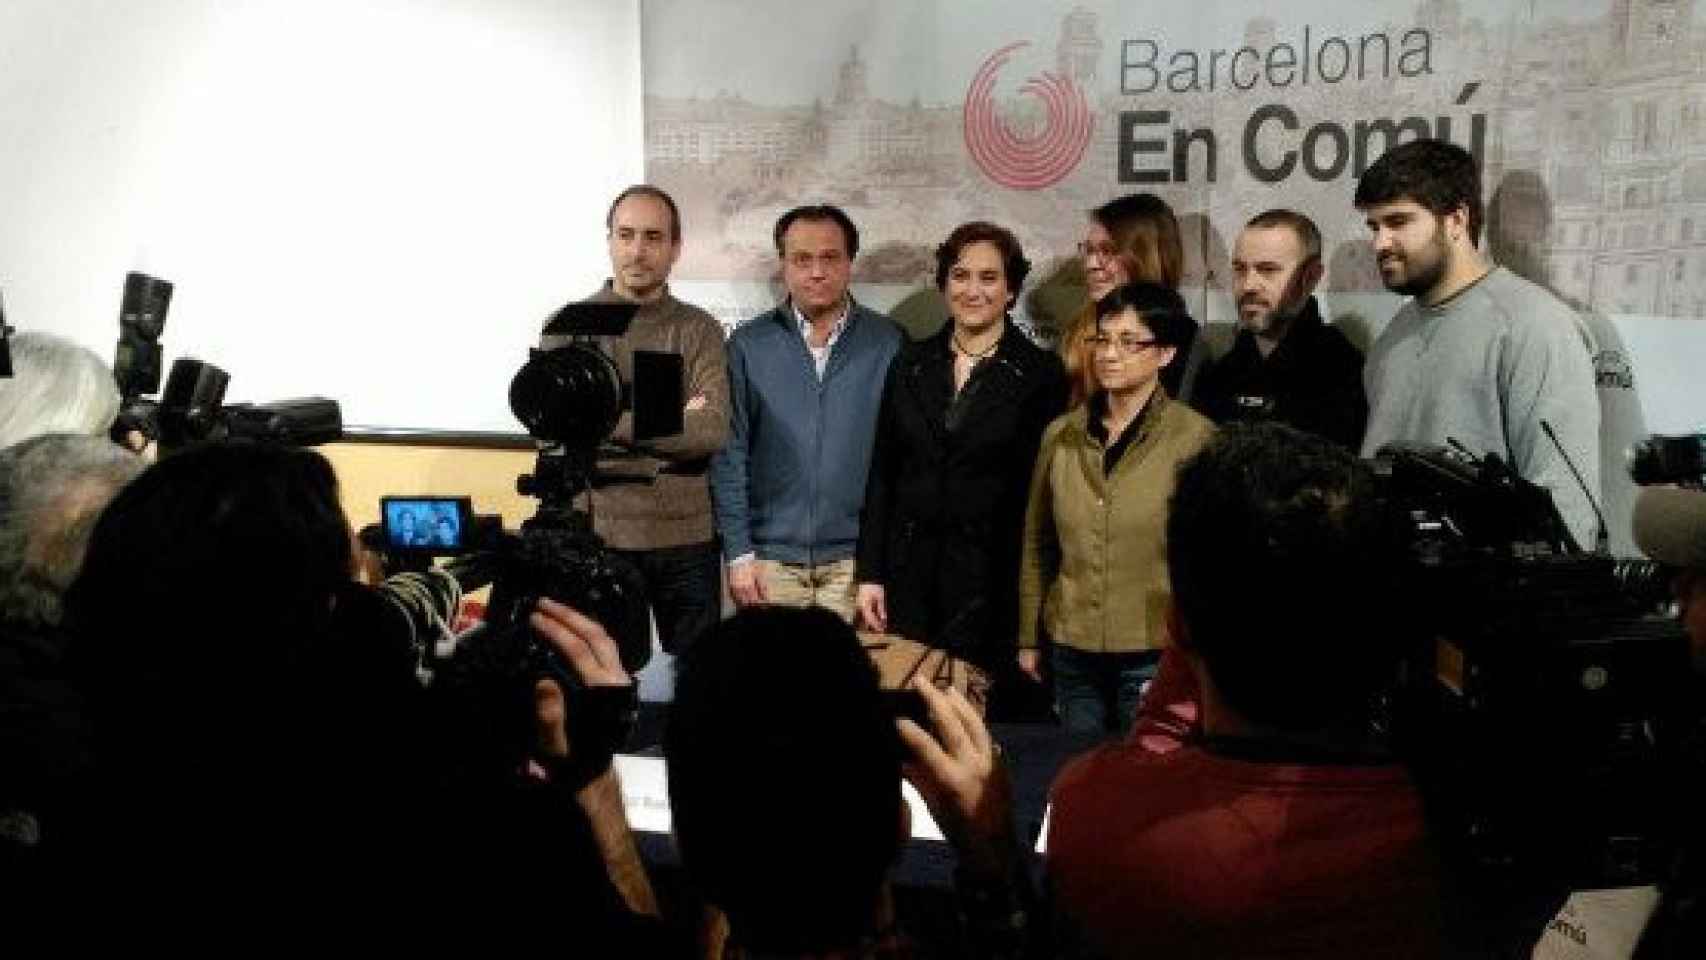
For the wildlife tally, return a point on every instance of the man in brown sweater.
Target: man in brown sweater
(664, 525)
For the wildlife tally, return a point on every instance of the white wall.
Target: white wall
(373, 200)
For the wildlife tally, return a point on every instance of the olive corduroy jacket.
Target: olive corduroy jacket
(1094, 567)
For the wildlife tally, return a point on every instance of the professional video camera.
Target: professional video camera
(570, 398)
(1547, 691)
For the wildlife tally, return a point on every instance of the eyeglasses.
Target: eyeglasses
(1100, 252)
(1127, 344)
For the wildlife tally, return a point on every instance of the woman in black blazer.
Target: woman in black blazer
(962, 414)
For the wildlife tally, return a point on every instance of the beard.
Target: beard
(1271, 316)
(1275, 317)
(1422, 269)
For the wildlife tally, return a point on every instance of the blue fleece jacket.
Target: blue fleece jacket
(789, 483)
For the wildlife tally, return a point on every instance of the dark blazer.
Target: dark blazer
(945, 500)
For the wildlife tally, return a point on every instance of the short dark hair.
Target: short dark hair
(777, 699)
(1307, 233)
(1163, 311)
(1437, 174)
(1160, 308)
(217, 562)
(1146, 237)
(647, 190)
(215, 619)
(1013, 262)
(1274, 533)
(820, 212)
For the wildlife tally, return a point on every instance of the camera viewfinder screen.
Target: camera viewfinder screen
(430, 522)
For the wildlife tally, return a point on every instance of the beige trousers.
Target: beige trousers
(828, 585)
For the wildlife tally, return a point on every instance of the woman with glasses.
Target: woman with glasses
(1094, 570)
(1129, 239)
(957, 433)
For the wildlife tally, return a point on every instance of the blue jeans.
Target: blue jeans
(1097, 693)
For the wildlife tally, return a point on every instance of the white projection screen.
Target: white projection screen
(378, 202)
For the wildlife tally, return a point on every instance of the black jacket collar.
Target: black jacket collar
(1304, 326)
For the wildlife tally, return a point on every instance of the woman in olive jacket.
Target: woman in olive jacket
(1094, 572)
(961, 416)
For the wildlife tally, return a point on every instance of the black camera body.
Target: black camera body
(192, 409)
(1545, 692)
(486, 688)
(1676, 459)
(562, 559)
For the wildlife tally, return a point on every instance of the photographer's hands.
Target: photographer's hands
(588, 649)
(582, 641)
(962, 780)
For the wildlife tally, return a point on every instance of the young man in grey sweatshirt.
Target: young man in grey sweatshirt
(1479, 356)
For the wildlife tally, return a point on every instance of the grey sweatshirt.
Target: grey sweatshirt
(1485, 368)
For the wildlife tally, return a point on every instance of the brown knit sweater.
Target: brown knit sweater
(675, 508)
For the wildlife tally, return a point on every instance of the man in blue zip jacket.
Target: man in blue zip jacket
(805, 383)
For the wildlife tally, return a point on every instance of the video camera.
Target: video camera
(570, 397)
(1546, 693)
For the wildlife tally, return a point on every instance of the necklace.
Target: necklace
(977, 355)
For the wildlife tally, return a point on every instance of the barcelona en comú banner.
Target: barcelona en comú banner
(1588, 118)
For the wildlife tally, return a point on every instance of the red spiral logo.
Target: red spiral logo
(1026, 163)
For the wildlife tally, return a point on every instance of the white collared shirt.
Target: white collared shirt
(820, 355)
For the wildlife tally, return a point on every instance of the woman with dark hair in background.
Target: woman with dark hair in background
(1094, 573)
(1131, 239)
(956, 436)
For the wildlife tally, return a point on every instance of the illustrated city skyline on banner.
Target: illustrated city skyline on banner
(1589, 118)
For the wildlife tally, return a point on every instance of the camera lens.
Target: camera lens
(570, 396)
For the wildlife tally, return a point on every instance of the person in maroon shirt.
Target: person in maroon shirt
(1249, 814)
